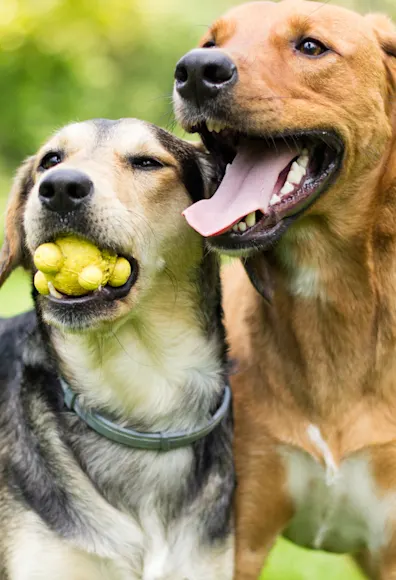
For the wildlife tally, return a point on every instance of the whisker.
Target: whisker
(322, 4)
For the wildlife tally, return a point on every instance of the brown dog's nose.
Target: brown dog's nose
(65, 190)
(203, 73)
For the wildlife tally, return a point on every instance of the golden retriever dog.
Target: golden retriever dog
(115, 417)
(297, 102)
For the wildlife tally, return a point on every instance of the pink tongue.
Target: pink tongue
(248, 185)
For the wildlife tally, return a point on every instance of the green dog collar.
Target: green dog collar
(162, 441)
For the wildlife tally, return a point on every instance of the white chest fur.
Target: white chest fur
(337, 508)
(41, 554)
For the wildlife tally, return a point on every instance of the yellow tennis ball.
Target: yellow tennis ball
(76, 266)
(48, 258)
(78, 254)
(91, 278)
(122, 271)
(41, 283)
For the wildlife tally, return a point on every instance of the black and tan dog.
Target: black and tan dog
(149, 356)
(299, 98)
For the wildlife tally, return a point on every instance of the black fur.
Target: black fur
(189, 161)
(30, 468)
(38, 432)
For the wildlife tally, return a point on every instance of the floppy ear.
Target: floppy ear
(13, 253)
(209, 172)
(212, 171)
(385, 31)
(199, 172)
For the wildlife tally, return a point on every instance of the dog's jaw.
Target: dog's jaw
(156, 369)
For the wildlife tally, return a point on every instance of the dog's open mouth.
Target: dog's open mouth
(266, 183)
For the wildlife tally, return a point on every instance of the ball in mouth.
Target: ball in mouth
(266, 183)
(80, 309)
(72, 267)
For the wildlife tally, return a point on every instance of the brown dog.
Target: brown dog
(301, 98)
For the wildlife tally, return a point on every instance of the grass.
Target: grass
(287, 562)
(15, 294)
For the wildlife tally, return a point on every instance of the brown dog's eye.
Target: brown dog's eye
(312, 47)
(209, 44)
(50, 160)
(145, 163)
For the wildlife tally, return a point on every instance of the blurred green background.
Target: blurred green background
(68, 60)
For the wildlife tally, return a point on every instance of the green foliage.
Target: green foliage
(67, 60)
(63, 60)
(287, 562)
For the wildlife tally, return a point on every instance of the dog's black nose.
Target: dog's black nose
(202, 73)
(65, 190)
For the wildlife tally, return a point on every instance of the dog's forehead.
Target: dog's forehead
(262, 17)
(124, 136)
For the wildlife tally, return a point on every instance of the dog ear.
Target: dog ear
(199, 173)
(258, 270)
(209, 170)
(13, 254)
(385, 31)
(212, 173)
(198, 145)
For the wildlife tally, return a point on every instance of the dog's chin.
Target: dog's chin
(95, 310)
(322, 153)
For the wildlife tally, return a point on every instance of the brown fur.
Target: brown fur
(12, 252)
(329, 358)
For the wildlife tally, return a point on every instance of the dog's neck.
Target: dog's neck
(163, 367)
(333, 313)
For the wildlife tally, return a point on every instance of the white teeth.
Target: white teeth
(53, 291)
(219, 127)
(305, 152)
(303, 161)
(275, 199)
(294, 176)
(297, 172)
(215, 126)
(248, 222)
(286, 189)
(251, 219)
(296, 167)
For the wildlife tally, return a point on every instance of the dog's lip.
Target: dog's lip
(329, 136)
(262, 236)
(235, 244)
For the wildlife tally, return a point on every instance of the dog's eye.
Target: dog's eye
(312, 47)
(50, 160)
(145, 163)
(209, 44)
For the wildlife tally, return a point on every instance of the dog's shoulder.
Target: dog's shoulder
(13, 334)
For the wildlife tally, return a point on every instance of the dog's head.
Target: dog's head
(296, 100)
(123, 186)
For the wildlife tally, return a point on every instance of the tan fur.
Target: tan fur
(126, 202)
(141, 362)
(323, 353)
(11, 253)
